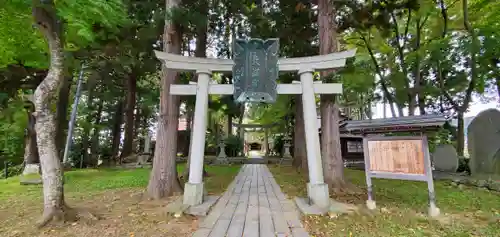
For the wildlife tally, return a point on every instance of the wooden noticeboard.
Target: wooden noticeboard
(398, 157)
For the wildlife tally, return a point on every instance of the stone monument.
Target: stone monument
(143, 158)
(483, 138)
(445, 158)
(286, 148)
(222, 157)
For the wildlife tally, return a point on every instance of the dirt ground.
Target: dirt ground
(113, 195)
(121, 213)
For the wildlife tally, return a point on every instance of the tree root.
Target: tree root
(345, 188)
(66, 214)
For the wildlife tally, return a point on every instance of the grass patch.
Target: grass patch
(402, 208)
(96, 180)
(114, 194)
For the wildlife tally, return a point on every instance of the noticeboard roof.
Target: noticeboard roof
(398, 124)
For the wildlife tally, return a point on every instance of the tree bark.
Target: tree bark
(116, 132)
(62, 113)
(46, 20)
(163, 181)
(30, 147)
(129, 115)
(419, 82)
(461, 134)
(388, 97)
(137, 125)
(94, 144)
(333, 165)
(498, 89)
(472, 60)
(299, 145)
(229, 124)
(240, 120)
(88, 119)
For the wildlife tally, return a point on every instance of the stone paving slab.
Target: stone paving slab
(253, 206)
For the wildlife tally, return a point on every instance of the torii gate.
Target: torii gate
(264, 127)
(317, 190)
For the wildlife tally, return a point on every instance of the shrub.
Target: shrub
(13, 121)
(234, 145)
(13, 170)
(279, 142)
(463, 165)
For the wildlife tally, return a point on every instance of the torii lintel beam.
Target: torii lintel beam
(315, 63)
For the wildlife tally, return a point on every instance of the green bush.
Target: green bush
(440, 137)
(12, 170)
(463, 165)
(13, 121)
(279, 142)
(234, 145)
(211, 143)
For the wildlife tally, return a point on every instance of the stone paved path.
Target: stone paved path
(253, 205)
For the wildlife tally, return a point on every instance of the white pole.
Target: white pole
(73, 118)
(311, 128)
(199, 128)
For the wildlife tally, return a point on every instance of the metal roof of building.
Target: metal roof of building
(407, 123)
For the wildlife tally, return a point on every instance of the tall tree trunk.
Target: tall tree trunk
(129, 115)
(62, 112)
(419, 81)
(88, 120)
(229, 124)
(411, 106)
(421, 103)
(461, 134)
(400, 107)
(137, 124)
(46, 20)
(333, 164)
(388, 97)
(241, 130)
(117, 132)
(299, 145)
(137, 131)
(94, 144)
(30, 147)
(498, 89)
(472, 61)
(163, 181)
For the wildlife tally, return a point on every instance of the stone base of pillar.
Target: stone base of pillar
(31, 175)
(371, 205)
(31, 169)
(221, 161)
(434, 211)
(318, 195)
(193, 194)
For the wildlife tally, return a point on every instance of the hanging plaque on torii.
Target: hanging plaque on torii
(255, 70)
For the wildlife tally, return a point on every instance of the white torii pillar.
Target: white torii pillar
(193, 189)
(317, 190)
